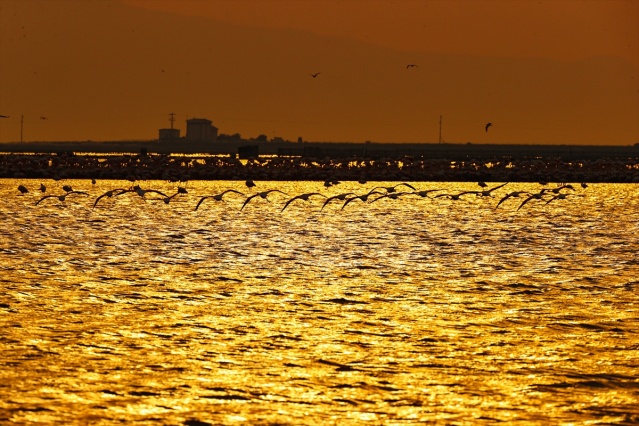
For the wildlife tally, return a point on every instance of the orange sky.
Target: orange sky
(541, 71)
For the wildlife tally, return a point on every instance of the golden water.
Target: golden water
(405, 311)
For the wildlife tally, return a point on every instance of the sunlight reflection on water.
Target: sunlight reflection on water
(394, 312)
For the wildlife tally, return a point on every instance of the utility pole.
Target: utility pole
(440, 130)
(21, 126)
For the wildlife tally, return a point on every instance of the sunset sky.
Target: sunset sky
(543, 72)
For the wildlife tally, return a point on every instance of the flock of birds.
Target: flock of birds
(545, 194)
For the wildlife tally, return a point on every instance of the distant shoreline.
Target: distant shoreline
(454, 152)
(325, 162)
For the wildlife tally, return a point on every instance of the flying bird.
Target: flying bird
(392, 195)
(304, 197)
(262, 194)
(537, 196)
(218, 197)
(364, 197)
(110, 194)
(562, 196)
(425, 192)
(412, 66)
(514, 194)
(340, 197)
(488, 125)
(4, 116)
(390, 189)
(61, 197)
(314, 75)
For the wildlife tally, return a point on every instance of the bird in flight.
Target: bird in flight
(43, 117)
(390, 189)
(314, 75)
(110, 194)
(218, 197)
(412, 66)
(304, 197)
(61, 197)
(4, 116)
(488, 125)
(262, 194)
(340, 197)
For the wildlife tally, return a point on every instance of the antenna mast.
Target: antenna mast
(172, 119)
(440, 130)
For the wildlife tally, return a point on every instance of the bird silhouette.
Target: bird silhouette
(392, 196)
(4, 116)
(304, 197)
(218, 197)
(249, 183)
(110, 193)
(561, 196)
(514, 194)
(486, 192)
(314, 75)
(412, 66)
(558, 189)
(262, 194)
(488, 125)
(454, 197)
(537, 196)
(340, 197)
(43, 188)
(425, 192)
(60, 197)
(364, 197)
(23, 189)
(390, 189)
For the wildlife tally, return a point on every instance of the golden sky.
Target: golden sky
(543, 72)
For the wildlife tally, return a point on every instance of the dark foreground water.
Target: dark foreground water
(401, 311)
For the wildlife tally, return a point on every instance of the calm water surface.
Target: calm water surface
(405, 311)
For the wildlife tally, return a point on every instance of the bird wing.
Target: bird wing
(232, 190)
(197, 206)
(158, 192)
(44, 198)
(349, 200)
(405, 184)
(249, 199)
(290, 201)
(106, 194)
(505, 198)
(525, 201)
(497, 187)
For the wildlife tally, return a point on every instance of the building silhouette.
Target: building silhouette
(200, 130)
